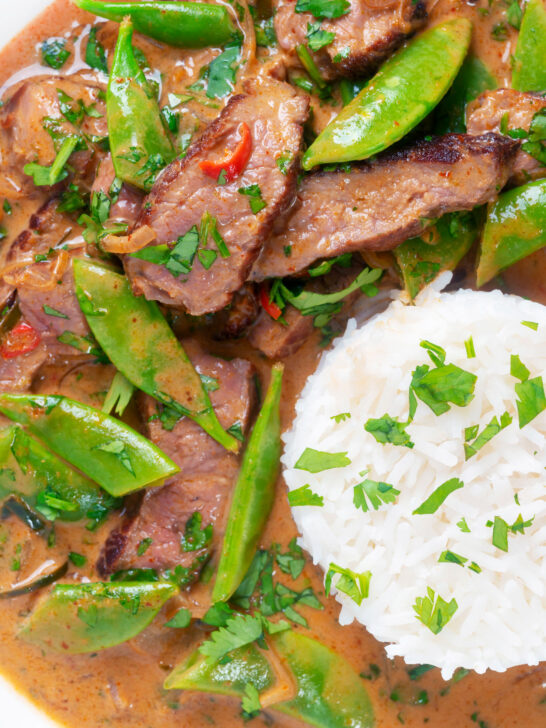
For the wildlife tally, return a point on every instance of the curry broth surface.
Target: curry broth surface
(122, 686)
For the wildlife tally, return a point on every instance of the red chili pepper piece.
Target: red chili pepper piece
(20, 340)
(234, 161)
(268, 305)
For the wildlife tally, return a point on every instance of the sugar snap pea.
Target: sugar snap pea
(140, 343)
(139, 143)
(253, 494)
(406, 88)
(79, 618)
(107, 450)
(515, 228)
(529, 72)
(181, 24)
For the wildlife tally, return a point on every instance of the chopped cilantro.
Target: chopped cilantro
(463, 525)
(293, 561)
(207, 257)
(171, 119)
(218, 615)
(531, 397)
(255, 199)
(500, 534)
(119, 450)
(450, 557)
(344, 260)
(95, 55)
(341, 417)
(240, 630)
(318, 38)
(530, 325)
(144, 545)
(315, 461)
(343, 53)
(433, 611)
(221, 72)
(236, 430)
(438, 496)
(355, 585)
(6, 206)
(47, 176)
(250, 702)
(284, 161)
(195, 537)
(77, 559)
(437, 387)
(377, 493)
(54, 52)
(181, 619)
(514, 14)
(72, 199)
(323, 8)
(418, 671)
(53, 312)
(304, 496)
(469, 347)
(489, 431)
(386, 429)
(119, 395)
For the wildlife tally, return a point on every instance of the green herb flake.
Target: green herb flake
(181, 619)
(433, 611)
(315, 461)
(387, 429)
(119, 395)
(221, 72)
(530, 325)
(48, 176)
(284, 161)
(250, 702)
(450, 557)
(77, 559)
(341, 417)
(500, 533)
(321, 9)
(469, 347)
(304, 496)
(254, 194)
(195, 538)
(447, 383)
(119, 450)
(355, 585)
(481, 439)
(240, 630)
(53, 312)
(463, 525)
(144, 545)
(54, 52)
(377, 493)
(95, 55)
(318, 38)
(415, 673)
(438, 496)
(531, 400)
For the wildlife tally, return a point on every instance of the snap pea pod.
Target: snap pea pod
(45, 482)
(515, 228)
(107, 450)
(529, 72)
(440, 248)
(253, 494)
(180, 24)
(139, 342)
(139, 144)
(329, 693)
(78, 618)
(406, 88)
(473, 78)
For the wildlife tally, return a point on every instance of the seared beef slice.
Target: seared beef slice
(487, 112)
(184, 193)
(378, 205)
(203, 485)
(363, 37)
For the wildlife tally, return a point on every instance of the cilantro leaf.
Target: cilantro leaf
(446, 383)
(293, 561)
(433, 611)
(532, 400)
(530, 325)
(54, 52)
(463, 525)
(355, 585)
(377, 493)
(323, 8)
(341, 417)
(469, 348)
(47, 176)
(95, 55)
(120, 452)
(119, 395)
(318, 38)
(144, 545)
(195, 537)
(221, 72)
(500, 533)
(518, 368)
(181, 619)
(304, 496)
(284, 161)
(315, 461)
(438, 496)
(450, 557)
(255, 200)
(240, 630)
(386, 429)
(218, 615)
(250, 702)
(53, 312)
(488, 432)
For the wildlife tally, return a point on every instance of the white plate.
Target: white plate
(16, 710)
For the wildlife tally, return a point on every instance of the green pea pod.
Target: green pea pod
(515, 228)
(330, 694)
(473, 78)
(45, 482)
(440, 248)
(529, 58)
(107, 450)
(180, 24)
(140, 343)
(406, 88)
(253, 494)
(78, 618)
(246, 665)
(138, 141)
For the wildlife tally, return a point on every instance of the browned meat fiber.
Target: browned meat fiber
(203, 485)
(378, 205)
(364, 37)
(518, 109)
(126, 205)
(274, 114)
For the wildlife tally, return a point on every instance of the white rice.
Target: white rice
(501, 615)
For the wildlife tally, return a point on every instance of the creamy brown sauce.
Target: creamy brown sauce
(122, 686)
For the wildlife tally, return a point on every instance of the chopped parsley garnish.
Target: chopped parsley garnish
(355, 585)
(240, 630)
(221, 72)
(438, 496)
(54, 52)
(53, 312)
(72, 199)
(377, 493)
(47, 176)
(433, 611)
(463, 525)
(469, 347)
(415, 673)
(488, 432)
(315, 461)
(530, 325)
(284, 161)
(119, 450)
(386, 429)
(318, 38)
(255, 200)
(181, 619)
(95, 55)
(447, 383)
(195, 538)
(77, 559)
(450, 557)
(304, 496)
(293, 561)
(236, 430)
(250, 702)
(323, 8)
(143, 546)
(341, 417)
(531, 397)
(501, 529)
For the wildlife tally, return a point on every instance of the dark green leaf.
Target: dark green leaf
(489, 431)
(255, 199)
(54, 52)
(447, 383)
(195, 538)
(531, 400)
(318, 38)
(222, 71)
(438, 496)
(388, 430)
(53, 312)
(95, 55)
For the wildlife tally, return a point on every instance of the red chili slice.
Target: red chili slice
(234, 161)
(20, 340)
(269, 306)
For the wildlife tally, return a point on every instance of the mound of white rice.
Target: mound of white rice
(501, 616)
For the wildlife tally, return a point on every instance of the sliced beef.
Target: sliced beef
(234, 320)
(126, 205)
(24, 137)
(364, 37)
(183, 193)
(203, 486)
(378, 205)
(16, 374)
(487, 112)
(49, 283)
